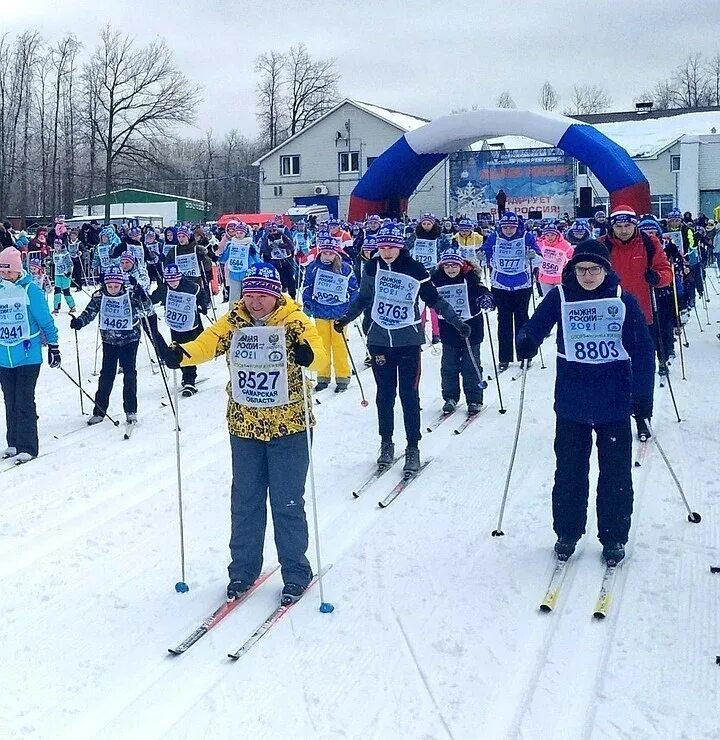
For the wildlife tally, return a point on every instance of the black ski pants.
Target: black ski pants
(126, 355)
(573, 445)
(393, 366)
(18, 388)
(512, 315)
(456, 363)
(189, 373)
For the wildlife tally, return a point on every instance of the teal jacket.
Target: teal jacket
(42, 327)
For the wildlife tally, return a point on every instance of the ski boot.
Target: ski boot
(94, 419)
(23, 457)
(643, 432)
(341, 386)
(131, 417)
(436, 339)
(321, 386)
(449, 406)
(663, 370)
(291, 593)
(188, 389)
(237, 588)
(565, 547)
(474, 408)
(412, 461)
(502, 367)
(613, 552)
(387, 454)
(10, 452)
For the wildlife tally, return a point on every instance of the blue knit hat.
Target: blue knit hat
(113, 275)
(129, 256)
(649, 223)
(328, 243)
(623, 215)
(465, 224)
(390, 236)
(675, 215)
(184, 230)
(509, 218)
(262, 278)
(451, 257)
(427, 217)
(171, 271)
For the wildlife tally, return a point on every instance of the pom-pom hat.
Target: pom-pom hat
(113, 275)
(171, 271)
(262, 278)
(451, 257)
(623, 215)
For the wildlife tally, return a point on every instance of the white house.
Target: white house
(323, 162)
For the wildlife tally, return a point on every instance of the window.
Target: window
(349, 162)
(277, 190)
(582, 169)
(674, 163)
(290, 165)
(369, 161)
(661, 205)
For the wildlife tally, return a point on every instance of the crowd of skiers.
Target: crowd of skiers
(618, 288)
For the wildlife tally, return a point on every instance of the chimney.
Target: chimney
(643, 107)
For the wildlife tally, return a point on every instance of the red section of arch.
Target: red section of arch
(635, 196)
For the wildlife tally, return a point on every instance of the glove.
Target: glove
(76, 323)
(303, 354)
(652, 277)
(339, 325)
(173, 355)
(525, 347)
(202, 308)
(53, 355)
(486, 302)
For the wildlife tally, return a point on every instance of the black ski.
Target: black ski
(407, 479)
(377, 474)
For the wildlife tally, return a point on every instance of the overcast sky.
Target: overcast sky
(419, 56)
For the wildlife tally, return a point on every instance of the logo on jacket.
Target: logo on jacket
(379, 359)
(613, 310)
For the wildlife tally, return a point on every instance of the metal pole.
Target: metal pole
(181, 586)
(82, 390)
(502, 408)
(77, 357)
(364, 402)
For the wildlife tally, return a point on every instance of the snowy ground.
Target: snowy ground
(436, 631)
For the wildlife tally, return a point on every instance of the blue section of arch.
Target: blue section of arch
(608, 161)
(396, 172)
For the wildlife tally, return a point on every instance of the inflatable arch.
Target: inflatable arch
(394, 175)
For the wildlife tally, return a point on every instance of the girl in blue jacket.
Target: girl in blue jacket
(25, 321)
(329, 288)
(605, 367)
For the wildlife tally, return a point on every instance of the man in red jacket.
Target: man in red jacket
(640, 262)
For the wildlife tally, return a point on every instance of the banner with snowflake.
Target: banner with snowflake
(533, 180)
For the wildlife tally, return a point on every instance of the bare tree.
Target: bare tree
(311, 87)
(692, 83)
(548, 97)
(138, 90)
(586, 99)
(713, 67)
(504, 100)
(270, 97)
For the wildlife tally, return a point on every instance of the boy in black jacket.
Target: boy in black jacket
(605, 358)
(458, 282)
(184, 301)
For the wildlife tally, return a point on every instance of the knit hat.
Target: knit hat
(184, 230)
(623, 215)
(262, 278)
(465, 224)
(58, 243)
(674, 215)
(427, 217)
(390, 236)
(35, 262)
(129, 256)
(328, 243)
(551, 229)
(451, 257)
(242, 226)
(599, 214)
(171, 271)
(231, 225)
(134, 232)
(11, 259)
(509, 219)
(374, 219)
(333, 222)
(113, 275)
(591, 250)
(649, 223)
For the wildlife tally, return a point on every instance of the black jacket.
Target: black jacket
(469, 274)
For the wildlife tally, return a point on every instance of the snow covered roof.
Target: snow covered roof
(403, 121)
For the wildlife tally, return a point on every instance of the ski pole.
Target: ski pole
(364, 402)
(325, 606)
(181, 586)
(82, 390)
(697, 316)
(77, 357)
(162, 373)
(502, 409)
(656, 320)
(498, 531)
(147, 348)
(693, 516)
(678, 325)
(97, 344)
(209, 289)
(705, 302)
(542, 361)
(481, 383)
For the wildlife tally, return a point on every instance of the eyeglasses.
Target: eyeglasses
(592, 270)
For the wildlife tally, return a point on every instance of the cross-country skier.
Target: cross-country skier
(63, 266)
(25, 321)
(391, 284)
(556, 251)
(267, 339)
(605, 359)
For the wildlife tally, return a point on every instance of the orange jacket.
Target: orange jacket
(630, 262)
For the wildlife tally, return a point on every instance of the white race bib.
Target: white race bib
(188, 264)
(239, 255)
(676, 238)
(138, 252)
(116, 313)
(103, 253)
(394, 303)
(61, 263)
(469, 253)
(592, 330)
(509, 256)
(330, 288)
(425, 252)
(553, 262)
(73, 249)
(180, 310)
(14, 314)
(457, 297)
(258, 367)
